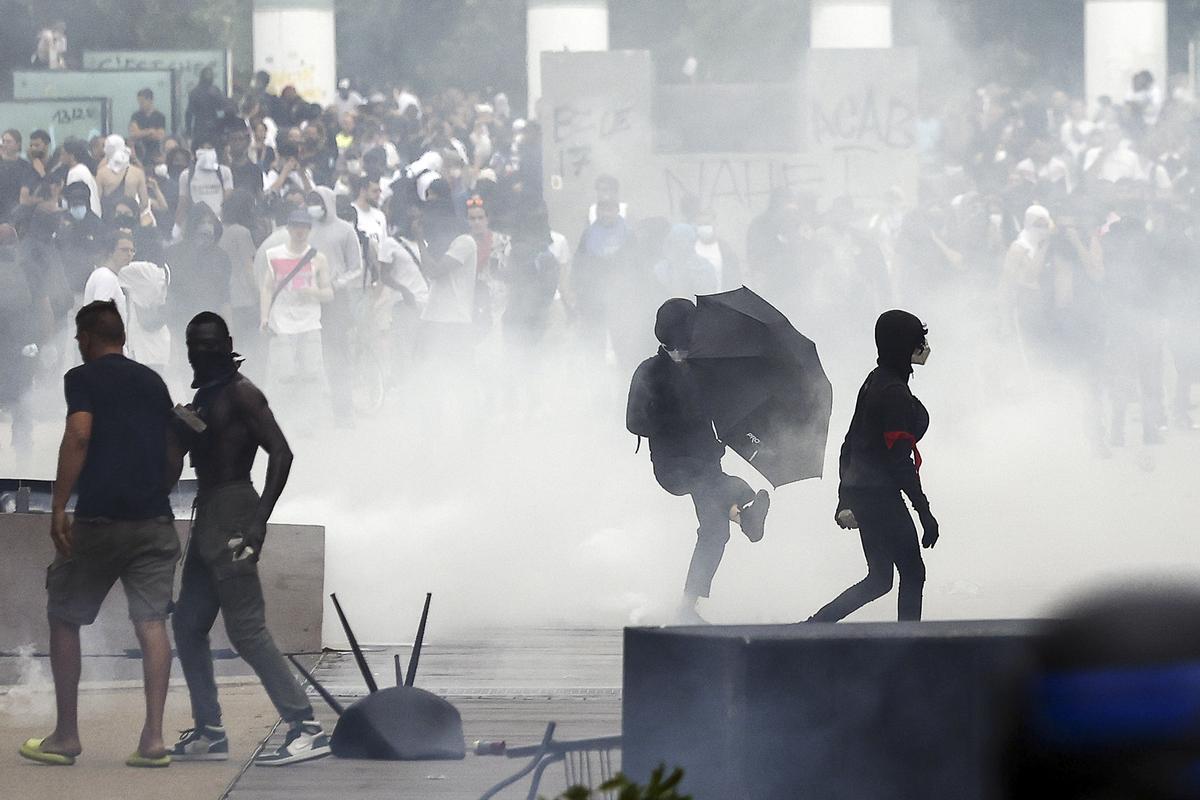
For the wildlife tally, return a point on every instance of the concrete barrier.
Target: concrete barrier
(292, 572)
(822, 712)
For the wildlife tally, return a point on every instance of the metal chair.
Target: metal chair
(587, 762)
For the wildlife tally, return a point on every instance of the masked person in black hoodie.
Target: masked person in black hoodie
(879, 461)
(666, 406)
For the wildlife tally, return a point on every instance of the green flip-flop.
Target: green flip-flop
(32, 750)
(141, 761)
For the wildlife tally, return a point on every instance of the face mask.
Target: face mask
(206, 160)
(316, 212)
(161, 170)
(706, 233)
(79, 212)
(208, 367)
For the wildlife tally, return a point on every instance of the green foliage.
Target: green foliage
(659, 788)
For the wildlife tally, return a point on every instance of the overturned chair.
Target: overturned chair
(586, 762)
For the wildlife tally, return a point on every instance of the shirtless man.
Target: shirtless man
(220, 572)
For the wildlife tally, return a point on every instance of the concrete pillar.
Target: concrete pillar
(851, 23)
(295, 41)
(1123, 37)
(576, 25)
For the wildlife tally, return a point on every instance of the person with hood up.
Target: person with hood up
(683, 272)
(200, 271)
(205, 109)
(666, 405)
(148, 337)
(879, 461)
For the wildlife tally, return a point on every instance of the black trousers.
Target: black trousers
(889, 541)
(713, 493)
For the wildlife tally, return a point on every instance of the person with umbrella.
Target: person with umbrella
(667, 405)
(879, 461)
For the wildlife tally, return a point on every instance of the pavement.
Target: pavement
(110, 719)
(507, 684)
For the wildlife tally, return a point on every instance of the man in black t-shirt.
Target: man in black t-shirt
(114, 452)
(246, 173)
(147, 129)
(15, 172)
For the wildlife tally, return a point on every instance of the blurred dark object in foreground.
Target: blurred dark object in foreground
(1110, 705)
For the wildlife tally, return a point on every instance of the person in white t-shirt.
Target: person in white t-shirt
(371, 221)
(402, 292)
(293, 289)
(207, 181)
(103, 283)
(448, 261)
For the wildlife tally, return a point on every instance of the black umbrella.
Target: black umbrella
(764, 385)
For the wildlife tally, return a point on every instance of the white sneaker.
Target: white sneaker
(202, 743)
(305, 741)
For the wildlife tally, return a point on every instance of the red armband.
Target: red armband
(891, 437)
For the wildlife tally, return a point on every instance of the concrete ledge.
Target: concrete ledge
(292, 572)
(848, 711)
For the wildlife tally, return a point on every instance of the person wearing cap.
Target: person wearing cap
(293, 289)
(81, 238)
(667, 407)
(347, 99)
(879, 463)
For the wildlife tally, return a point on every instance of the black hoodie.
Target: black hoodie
(879, 455)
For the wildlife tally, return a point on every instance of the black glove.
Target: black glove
(930, 526)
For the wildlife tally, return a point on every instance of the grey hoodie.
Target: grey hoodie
(334, 238)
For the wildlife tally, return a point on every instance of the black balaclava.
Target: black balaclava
(897, 335)
(674, 322)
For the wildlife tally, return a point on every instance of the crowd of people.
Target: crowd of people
(416, 229)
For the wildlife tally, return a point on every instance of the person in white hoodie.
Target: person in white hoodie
(148, 337)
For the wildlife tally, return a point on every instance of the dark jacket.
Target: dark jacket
(878, 454)
(666, 406)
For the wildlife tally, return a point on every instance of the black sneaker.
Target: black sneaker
(304, 742)
(754, 515)
(202, 743)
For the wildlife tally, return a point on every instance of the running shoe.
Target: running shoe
(202, 743)
(304, 742)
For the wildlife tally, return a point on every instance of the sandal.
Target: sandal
(32, 750)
